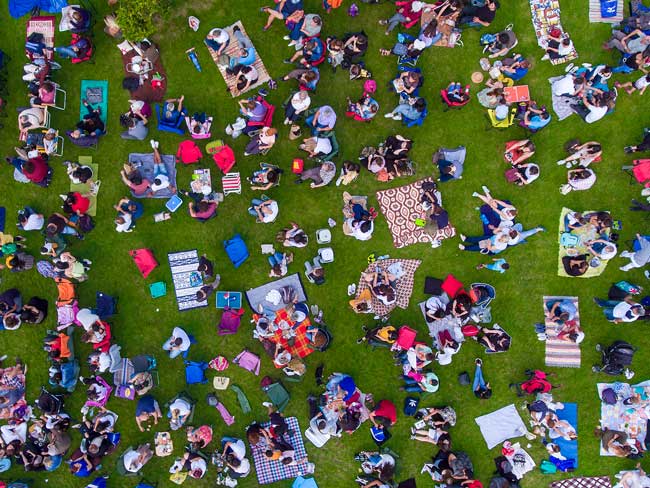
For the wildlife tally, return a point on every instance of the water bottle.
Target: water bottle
(385, 256)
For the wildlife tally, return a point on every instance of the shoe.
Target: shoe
(485, 189)
(63, 197)
(475, 194)
(361, 340)
(412, 432)
(560, 162)
(389, 115)
(287, 61)
(286, 122)
(267, 404)
(352, 289)
(461, 247)
(383, 22)
(397, 117)
(478, 362)
(568, 165)
(412, 437)
(541, 228)
(286, 38)
(545, 57)
(463, 237)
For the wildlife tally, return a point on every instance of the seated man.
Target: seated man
(310, 55)
(179, 411)
(315, 271)
(218, 40)
(503, 43)
(317, 146)
(147, 407)
(247, 75)
(515, 68)
(135, 459)
(178, 343)
(307, 78)
(558, 45)
(456, 94)
(266, 211)
(479, 16)
(635, 42)
(171, 113)
(247, 53)
(90, 125)
(592, 109)
(320, 175)
(136, 128)
(234, 453)
(199, 124)
(78, 19)
(535, 118)
(411, 109)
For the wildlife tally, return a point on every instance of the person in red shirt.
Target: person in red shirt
(37, 170)
(76, 203)
(408, 13)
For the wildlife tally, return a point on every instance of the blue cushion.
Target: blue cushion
(236, 250)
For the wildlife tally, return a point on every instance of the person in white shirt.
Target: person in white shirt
(178, 343)
(234, 453)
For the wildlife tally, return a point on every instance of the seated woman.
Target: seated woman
(191, 462)
(503, 43)
(78, 19)
(279, 262)
(615, 442)
(297, 104)
(456, 94)
(43, 94)
(535, 118)
(98, 391)
(317, 146)
(515, 67)
(179, 412)
(246, 55)
(558, 45)
(410, 109)
(132, 178)
(34, 311)
(234, 453)
(321, 175)
(31, 118)
(582, 154)
(262, 141)
(281, 11)
(579, 179)
(266, 177)
(307, 78)
(335, 52)
(349, 172)
(576, 265)
(407, 83)
(522, 174)
(253, 110)
(484, 244)
(199, 437)
(135, 459)
(602, 248)
(204, 209)
(616, 311)
(517, 152)
(199, 125)
(355, 45)
(91, 124)
(245, 77)
(495, 213)
(178, 343)
(322, 121)
(266, 211)
(293, 236)
(365, 109)
(421, 383)
(494, 340)
(77, 50)
(218, 40)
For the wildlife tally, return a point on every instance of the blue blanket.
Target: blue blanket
(18, 8)
(569, 449)
(146, 168)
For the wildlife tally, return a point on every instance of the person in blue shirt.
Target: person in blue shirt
(282, 10)
(310, 55)
(536, 118)
(499, 265)
(515, 68)
(247, 53)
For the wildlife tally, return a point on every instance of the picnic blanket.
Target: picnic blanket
(12, 389)
(95, 92)
(300, 346)
(584, 234)
(258, 296)
(559, 353)
(501, 425)
(45, 25)
(187, 280)
(630, 419)
(232, 51)
(546, 16)
(569, 449)
(446, 29)
(146, 167)
(561, 104)
(272, 471)
(84, 188)
(146, 91)
(403, 287)
(402, 206)
(615, 12)
(447, 324)
(583, 482)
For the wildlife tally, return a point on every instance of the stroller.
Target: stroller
(615, 359)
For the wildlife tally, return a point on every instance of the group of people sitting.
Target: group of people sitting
(390, 159)
(588, 241)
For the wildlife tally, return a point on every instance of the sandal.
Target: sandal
(384, 52)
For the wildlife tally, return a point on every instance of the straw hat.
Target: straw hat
(477, 77)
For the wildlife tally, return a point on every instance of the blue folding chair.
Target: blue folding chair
(177, 126)
(236, 250)
(195, 372)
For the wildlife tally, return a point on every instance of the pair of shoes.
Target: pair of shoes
(154, 144)
(267, 404)
(286, 38)
(352, 288)
(560, 162)
(361, 340)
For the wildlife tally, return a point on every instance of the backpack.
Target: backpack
(547, 467)
(463, 379)
(609, 396)
(487, 39)
(411, 406)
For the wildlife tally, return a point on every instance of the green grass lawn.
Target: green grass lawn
(142, 324)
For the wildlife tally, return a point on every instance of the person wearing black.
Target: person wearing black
(479, 16)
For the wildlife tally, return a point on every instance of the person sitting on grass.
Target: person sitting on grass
(481, 16)
(406, 83)
(410, 109)
(321, 175)
(517, 152)
(618, 311)
(279, 264)
(135, 459)
(234, 454)
(534, 117)
(136, 128)
(218, 40)
(515, 67)
(365, 109)
(499, 265)
(309, 55)
(262, 142)
(91, 124)
(266, 177)
(147, 408)
(293, 236)
(266, 211)
(639, 85)
(178, 343)
(307, 78)
(282, 10)
(456, 94)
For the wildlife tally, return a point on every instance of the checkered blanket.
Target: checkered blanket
(404, 286)
(300, 346)
(402, 206)
(546, 17)
(560, 353)
(272, 471)
(187, 280)
(593, 482)
(232, 51)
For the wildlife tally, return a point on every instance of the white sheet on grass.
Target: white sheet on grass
(501, 425)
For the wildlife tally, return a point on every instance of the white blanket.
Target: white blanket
(501, 425)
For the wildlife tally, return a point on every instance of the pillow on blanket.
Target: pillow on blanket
(451, 286)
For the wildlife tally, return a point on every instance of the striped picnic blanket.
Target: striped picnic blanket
(560, 353)
(232, 51)
(595, 12)
(187, 280)
(272, 471)
(546, 16)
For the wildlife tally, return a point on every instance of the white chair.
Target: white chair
(326, 254)
(323, 236)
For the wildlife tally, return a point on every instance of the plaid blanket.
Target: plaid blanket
(404, 286)
(12, 387)
(232, 51)
(546, 16)
(401, 206)
(630, 419)
(560, 353)
(592, 482)
(272, 471)
(300, 346)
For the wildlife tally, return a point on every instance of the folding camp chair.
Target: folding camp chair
(195, 372)
(193, 135)
(450, 104)
(231, 183)
(37, 139)
(639, 172)
(253, 127)
(49, 403)
(335, 148)
(230, 321)
(171, 126)
(488, 294)
(60, 98)
(236, 250)
(278, 395)
(120, 467)
(419, 121)
(501, 124)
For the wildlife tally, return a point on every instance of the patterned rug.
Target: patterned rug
(593, 482)
(272, 471)
(43, 25)
(546, 16)
(401, 206)
(232, 51)
(559, 353)
(187, 280)
(404, 286)
(595, 14)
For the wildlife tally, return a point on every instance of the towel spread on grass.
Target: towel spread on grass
(145, 164)
(585, 233)
(272, 471)
(590, 482)
(501, 425)
(187, 280)
(232, 51)
(403, 286)
(402, 206)
(546, 17)
(596, 13)
(95, 92)
(630, 419)
(84, 188)
(258, 296)
(561, 104)
(560, 353)
(45, 25)
(569, 449)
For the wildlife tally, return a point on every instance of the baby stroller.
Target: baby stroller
(615, 359)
